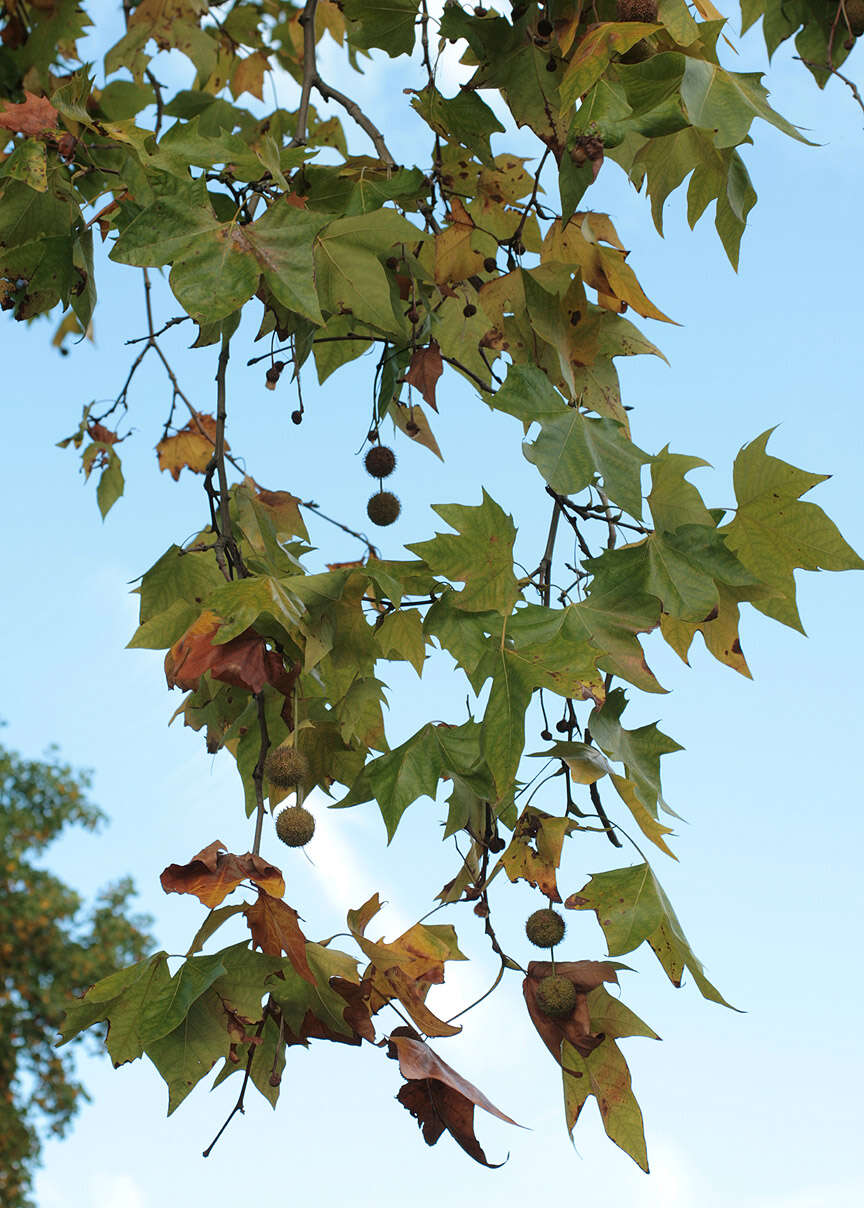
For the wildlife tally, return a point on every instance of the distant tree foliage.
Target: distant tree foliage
(51, 946)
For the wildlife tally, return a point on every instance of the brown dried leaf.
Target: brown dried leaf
(424, 371)
(576, 1028)
(436, 1106)
(215, 872)
(275, 929)
(244, 662)
(191, 448)
(416, 1060)
(34, 115)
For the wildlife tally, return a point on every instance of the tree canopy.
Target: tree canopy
(473, 261)
(49, 948)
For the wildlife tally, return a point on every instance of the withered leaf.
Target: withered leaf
(191, 448)
(436, 1107)
(244, 661)
(215, 872)
(534, 852)
(275, 929)
(34, 115)
(424, 371)
(576, 1027)
(417, 1061)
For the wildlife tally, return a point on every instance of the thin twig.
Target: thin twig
(238, 1106)
(313, 507)
(833, 71)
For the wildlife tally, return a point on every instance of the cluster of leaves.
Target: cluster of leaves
(454, 265)
(49, 948)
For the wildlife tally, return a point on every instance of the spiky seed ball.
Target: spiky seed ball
(380, 461)
(295, 826)
(383, 508)
(545, 928)
(637, 10)
(556, 996)
(286, 767)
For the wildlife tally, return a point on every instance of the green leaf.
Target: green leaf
(613, 612)
(400, 636)
(465, 636)
(464, 118)
(639, 750)
(571, 451)
(178, 577)
(632, 908)
(774, 533)
(111, 483)
(164, 1010)
(188, 1053)
(480, 555)
(726, 102)
(594, 53)
(504, 724)
(673, 500)
(121, 999)
(604, 1074)
(214, 275)
(282, 243)
(385, 24)
(163, 231)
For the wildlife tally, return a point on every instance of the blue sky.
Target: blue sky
(759, 1108)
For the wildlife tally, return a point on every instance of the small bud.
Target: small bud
(490, 264)
(562, 726)
(546, 735)
(469, 310)
(296, 417)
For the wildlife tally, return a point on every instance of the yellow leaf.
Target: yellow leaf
(647, 823)
(248, 75)
(405, 416)
(455, 259)
(191, 448)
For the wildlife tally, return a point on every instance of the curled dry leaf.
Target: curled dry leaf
(191, 448)
(575, 1028)
(275, 929)
(35, 115)
(215, 872)
(245, 661)
(437, 1097)
(424, 371)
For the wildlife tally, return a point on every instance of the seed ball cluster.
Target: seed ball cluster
(380, 461)
(383, 508)
(556, 996)
(295, 826)
(545, 928)
(286, 767)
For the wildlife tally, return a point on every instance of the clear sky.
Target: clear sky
(757, 1109)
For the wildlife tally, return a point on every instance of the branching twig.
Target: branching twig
(238, 1106)
(833, 71)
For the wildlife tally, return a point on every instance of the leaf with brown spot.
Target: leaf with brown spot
(455, 258)
(214, 873)
(575, 1028)
(275, 929)
(534, 852)
(244, 661)
(34, 115)
(283, 509)
(424, 371)
(413, 422)
(191, 448)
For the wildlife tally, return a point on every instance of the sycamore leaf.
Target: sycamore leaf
(413, 422)
(719, 631)
(275, 929)
(647, 821)
(595, 52)
(244, 661)
(576, 1027)
(534, 852)
(587, 765)
(437, 1096)
(639, 750)
(604, 1074)
(632, 908)
(400, 636)
(774, 532)
(215, 872)
(480, 555)
(191, 448)
(424, 370)
(34, 115)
